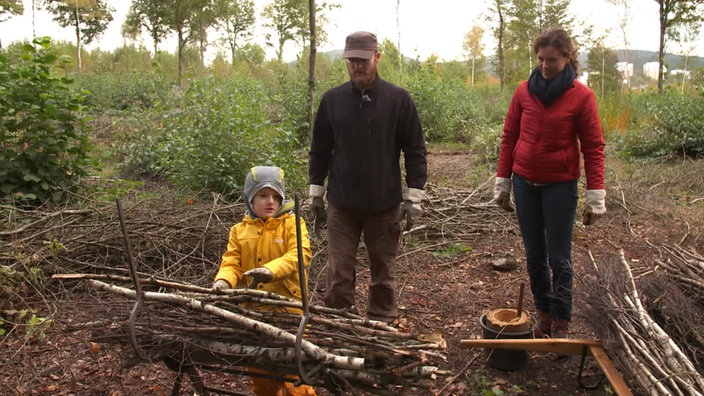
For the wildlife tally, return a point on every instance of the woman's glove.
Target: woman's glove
(595, 206)
(221, 284)
(259, 275)
(502, 193)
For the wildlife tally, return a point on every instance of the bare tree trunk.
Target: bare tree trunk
(500, 46)
(280, 51)
(202, 46)
(473, 58)
(398, 43)
(34, 22)
(311, 66)
(78, 38)
(661, 50)
(233, 48)
(181, 44)
(684, 74)
(624, 29)
(603, 71)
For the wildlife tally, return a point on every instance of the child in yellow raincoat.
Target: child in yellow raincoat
(262, 251)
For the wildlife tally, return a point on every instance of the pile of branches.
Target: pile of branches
(186, 325)
(686, 268)
(637, 343)
(678, 281)
(172, 237)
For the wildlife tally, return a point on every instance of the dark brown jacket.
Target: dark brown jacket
(357, 141)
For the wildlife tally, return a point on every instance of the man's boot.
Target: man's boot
(543, 326)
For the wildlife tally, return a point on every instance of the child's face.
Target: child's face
(266, 202)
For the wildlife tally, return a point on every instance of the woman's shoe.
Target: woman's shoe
(560, 328)
(543, 326)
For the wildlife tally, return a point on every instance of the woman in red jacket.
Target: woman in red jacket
(552, 117)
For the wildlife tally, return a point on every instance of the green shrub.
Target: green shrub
(208, 138)
(110, 91)
(667, 124)
(44, 137)
(450, 110)
(617, 113)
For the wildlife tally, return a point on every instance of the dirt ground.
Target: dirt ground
(445, 283)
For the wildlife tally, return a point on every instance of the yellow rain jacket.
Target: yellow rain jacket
(255, 243)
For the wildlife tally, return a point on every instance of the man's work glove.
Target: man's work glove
(317, 207)
(595, 206)
(221, 284)
(259, 275)
(411, 206)
(502, 193)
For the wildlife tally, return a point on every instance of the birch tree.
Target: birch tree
(473, 48)
(89, 18)
(674, 14)
(236, 19)
(499, 30)
(151, 16)
(310, 113)
(288, 20)
(624, 24)
(10, 8)
(688, 37)
(189, 20)
(526, 20)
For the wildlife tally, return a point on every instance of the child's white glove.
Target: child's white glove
(259, 275)
(221, 284)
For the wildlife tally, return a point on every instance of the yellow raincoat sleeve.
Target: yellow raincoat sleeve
(231, 265)
(287, 265)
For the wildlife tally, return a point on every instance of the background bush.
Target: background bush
(665, 125)
(207, 133)
(208, 137)
(43, 133)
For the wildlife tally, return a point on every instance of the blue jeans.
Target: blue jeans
(546, 218)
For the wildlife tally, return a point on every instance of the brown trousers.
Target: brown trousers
(382, 233)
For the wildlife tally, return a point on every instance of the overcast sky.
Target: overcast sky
(426, 27)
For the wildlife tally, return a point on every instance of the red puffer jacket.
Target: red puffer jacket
(542, 144)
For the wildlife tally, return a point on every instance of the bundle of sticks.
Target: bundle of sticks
(183, 324)
(638, 343)
(686, 268)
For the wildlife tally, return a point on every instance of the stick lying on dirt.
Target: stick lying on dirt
(194, 325)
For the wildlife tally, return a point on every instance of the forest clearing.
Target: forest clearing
(445, 275)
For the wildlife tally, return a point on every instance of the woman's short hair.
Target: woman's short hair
(559, 39)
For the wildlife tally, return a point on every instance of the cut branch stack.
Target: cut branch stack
(686, 268)
(170, 238)
(636, 342)
(678, 282)
(228, 331)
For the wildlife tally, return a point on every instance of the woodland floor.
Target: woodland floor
(445, 283)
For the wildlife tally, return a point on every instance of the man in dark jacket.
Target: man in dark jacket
(361, 127)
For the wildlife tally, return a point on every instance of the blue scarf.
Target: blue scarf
(549, 90)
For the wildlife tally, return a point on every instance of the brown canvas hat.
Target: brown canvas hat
(360, 45)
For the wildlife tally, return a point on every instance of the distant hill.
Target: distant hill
(637, 57)
(641, 57)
